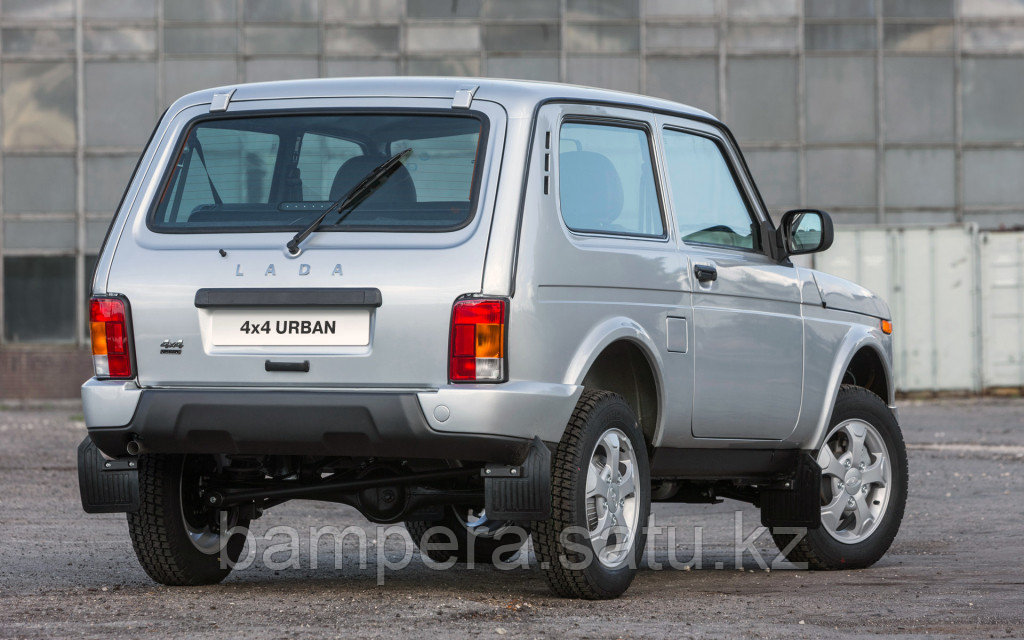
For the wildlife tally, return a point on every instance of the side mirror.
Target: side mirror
(805, 231)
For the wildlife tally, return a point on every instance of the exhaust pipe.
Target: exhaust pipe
(133, 447)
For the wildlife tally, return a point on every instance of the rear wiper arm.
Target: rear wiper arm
(373, 180)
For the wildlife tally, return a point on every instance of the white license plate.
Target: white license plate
(290, 327)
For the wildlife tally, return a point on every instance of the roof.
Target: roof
(519, 97)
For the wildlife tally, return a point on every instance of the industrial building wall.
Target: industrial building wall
(881, 111)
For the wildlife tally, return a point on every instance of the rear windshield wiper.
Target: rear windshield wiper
(359, 193)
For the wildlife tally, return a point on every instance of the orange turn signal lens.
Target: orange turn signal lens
(887, 327)
(98, 333)
(488, 341)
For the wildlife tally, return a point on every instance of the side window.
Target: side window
(605, 180)
(708, 206)
(319, 160)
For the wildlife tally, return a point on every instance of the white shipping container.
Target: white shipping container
(1002, 299)
(930, 278)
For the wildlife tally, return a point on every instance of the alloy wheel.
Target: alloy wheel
(855, 478)
(612, 498)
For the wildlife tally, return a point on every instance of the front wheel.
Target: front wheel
(600, 501)
(863, 487)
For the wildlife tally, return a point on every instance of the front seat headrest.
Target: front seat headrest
(397, 190)
(590, 189)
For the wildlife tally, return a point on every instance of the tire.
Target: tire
(856, 541)
(160, 530)
(471, 546)
(563, 543)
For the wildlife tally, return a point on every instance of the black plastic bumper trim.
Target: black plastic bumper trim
(317, 423)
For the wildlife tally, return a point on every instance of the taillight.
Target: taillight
(108, 326)
(476, 351)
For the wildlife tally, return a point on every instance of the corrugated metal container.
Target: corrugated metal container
(1002, 301)
(929, 276)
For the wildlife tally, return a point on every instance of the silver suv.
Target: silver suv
(489, 309)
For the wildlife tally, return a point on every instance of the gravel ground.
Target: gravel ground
(954, 570)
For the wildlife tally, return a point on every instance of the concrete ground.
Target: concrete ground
(955, 570)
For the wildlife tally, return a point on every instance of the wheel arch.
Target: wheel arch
(861, 352)
(620, 356)
(867, 368)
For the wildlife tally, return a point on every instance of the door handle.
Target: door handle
(705, 272)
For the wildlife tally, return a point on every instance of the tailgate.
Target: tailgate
(367, 305)
(385, 322)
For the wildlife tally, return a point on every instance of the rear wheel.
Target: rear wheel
(177, 540)
(863, 486)
(476, 537)
(600, 502)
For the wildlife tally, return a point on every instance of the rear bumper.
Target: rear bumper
(360, 423)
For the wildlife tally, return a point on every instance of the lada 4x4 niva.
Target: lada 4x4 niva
(487, 309)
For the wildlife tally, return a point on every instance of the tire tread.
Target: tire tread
(566, 582)
(153, 529)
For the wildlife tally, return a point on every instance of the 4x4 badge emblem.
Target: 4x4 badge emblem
(172, 346)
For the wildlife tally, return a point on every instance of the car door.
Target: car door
(748, 329)
(598, 255)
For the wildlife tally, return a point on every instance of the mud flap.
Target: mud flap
(523, 492)
(107, 486)
(795, 502)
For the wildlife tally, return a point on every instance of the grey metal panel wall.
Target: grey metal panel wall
(895, 111)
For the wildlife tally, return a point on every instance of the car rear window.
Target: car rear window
(280, 172)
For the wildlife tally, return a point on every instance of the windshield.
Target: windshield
(280, 173)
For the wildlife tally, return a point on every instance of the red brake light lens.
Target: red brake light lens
(108, 327)
(476, 351)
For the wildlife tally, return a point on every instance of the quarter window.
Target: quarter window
(707, 202)
(606, 182)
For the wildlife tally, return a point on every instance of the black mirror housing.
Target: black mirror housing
(803, 231)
